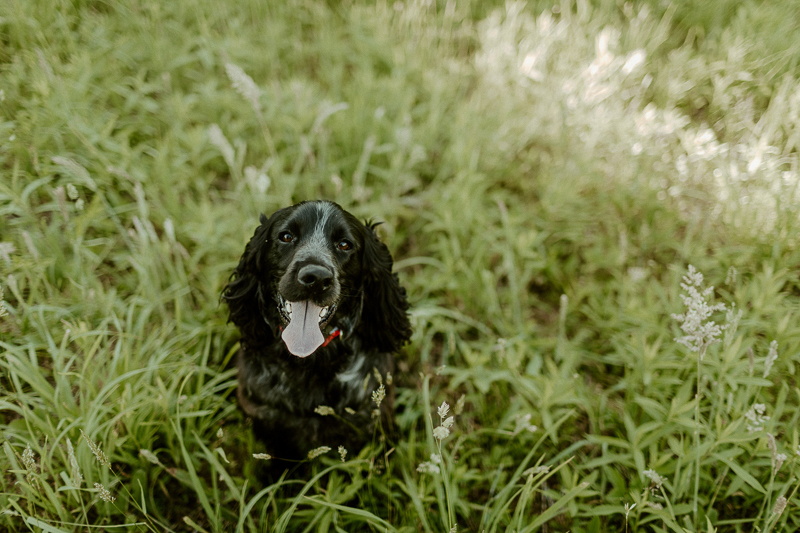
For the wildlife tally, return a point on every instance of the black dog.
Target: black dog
(320, 314)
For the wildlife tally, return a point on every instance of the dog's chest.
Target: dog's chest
(301, 389)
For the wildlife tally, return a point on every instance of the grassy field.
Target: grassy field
(593, 205)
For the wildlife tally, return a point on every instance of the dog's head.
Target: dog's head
(313, 266)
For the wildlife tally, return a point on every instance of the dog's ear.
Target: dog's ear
(384, 321)
(245, 295)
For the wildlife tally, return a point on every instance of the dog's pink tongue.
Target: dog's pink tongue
(302, 335)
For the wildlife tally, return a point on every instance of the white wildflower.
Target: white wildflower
(700, 331)
(436, 459)
(443, 410)
(772, 356)
(104, 494)
(342, 452)
(756, 417)
(75, 469)
(653, 476)
(244, 85)
(316, 452)
(780, 505)
(428, 468)
(441, 432)
(324, 410)
(263, 456)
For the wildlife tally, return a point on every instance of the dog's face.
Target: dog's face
(315, 250)
(313, 266)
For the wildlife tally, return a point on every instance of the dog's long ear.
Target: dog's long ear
(384, 321)
(245, 294)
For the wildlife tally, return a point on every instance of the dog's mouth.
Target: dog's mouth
(303, 321)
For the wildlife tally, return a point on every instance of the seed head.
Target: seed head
(74, 468)
(6, 249)
(428, 467)
(342, 452)
(263, 456)
(772, 356)
(150, 456)
(244, 85)
(695, 322)
(654, 477)
(628, 508)
(324, 410)
(219, 140)
(443, 410)
(98, 453)
(378, 395)
(29, 461)
(3, 311)
(780, 505)
(441, 432)
(459, 408)
(104, 494)
(756, 417)
(316, 452)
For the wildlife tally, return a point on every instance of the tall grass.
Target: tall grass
(547, 174)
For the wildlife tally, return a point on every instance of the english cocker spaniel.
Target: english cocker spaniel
(320, 315)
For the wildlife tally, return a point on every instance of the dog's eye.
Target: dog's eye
(344, 245)
(285, 236)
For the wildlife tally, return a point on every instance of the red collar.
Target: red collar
(335, 333)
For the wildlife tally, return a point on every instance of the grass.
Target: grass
(547, 174)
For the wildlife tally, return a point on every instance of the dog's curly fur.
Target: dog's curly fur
(318, 252)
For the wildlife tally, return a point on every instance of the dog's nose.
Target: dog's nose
(315, 276)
